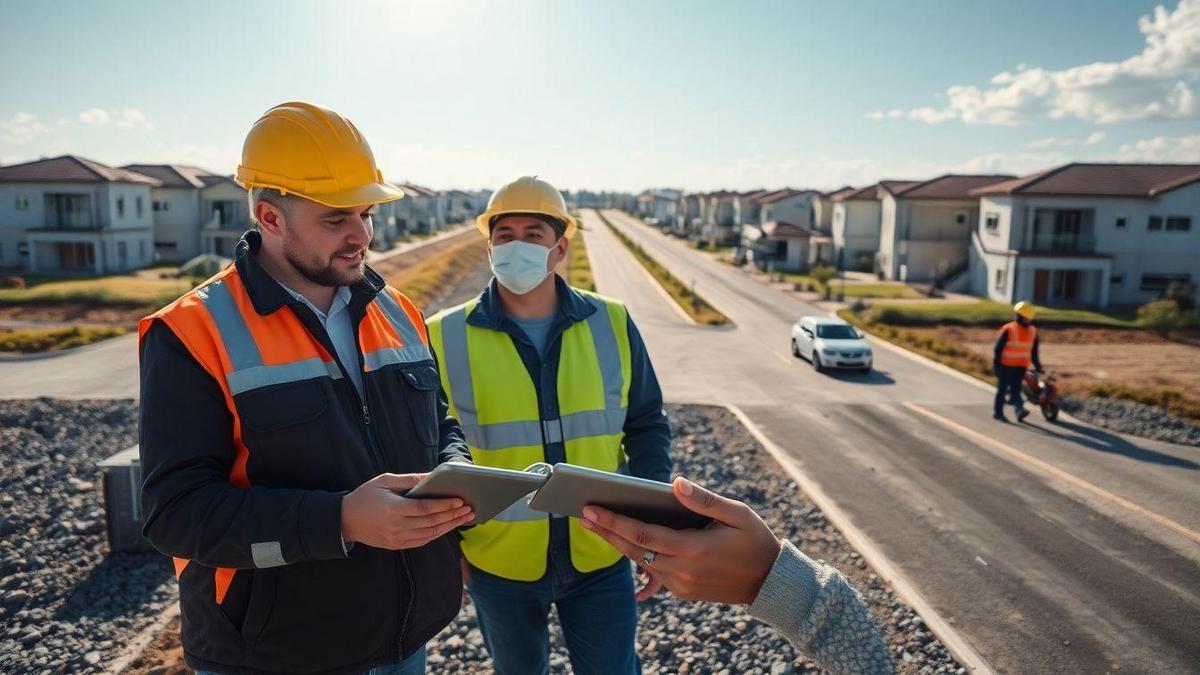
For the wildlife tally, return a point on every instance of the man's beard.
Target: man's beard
(327, 274)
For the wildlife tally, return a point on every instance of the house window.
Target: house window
(139, 207)
(960, 218)
(120, 207)
(156, 206)
(1001, 279)
(1155, 223)
(1120, 222)
(992, 221)
(1116, 279)
(23, 248)
(165, 245)
(1178, 223)
(1158, 283)
(22, 203)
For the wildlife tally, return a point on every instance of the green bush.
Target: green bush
(883, 314)
(1183, 294)
(822, 274)
(1162, 316)
(866, 263)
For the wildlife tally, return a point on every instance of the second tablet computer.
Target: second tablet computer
(570, 488)
(486, 490)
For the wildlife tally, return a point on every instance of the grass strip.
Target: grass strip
(36, 340)
(695, 306)
(110, 291)
(423, 281)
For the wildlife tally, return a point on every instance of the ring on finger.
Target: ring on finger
(648, 558)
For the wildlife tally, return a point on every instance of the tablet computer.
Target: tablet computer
(570, 488)
(487, 490)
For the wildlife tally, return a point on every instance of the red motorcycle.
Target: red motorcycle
(1043, 392)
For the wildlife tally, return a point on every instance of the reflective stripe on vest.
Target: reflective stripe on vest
(492, 396)
(245, 351)
(1018, 348)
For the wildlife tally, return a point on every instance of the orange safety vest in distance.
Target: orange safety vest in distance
(1018, 349)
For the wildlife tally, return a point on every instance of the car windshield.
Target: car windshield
(837, 332)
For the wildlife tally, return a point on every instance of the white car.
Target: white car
(830, 342)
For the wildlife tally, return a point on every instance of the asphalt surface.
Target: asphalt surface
(1049, 548)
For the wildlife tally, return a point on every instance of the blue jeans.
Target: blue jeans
(1010, 383)
(597, 610)
(413, 665)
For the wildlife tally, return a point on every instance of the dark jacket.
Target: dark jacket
(647, 433)
(310, 442)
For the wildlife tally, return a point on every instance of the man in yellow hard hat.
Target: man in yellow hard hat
(287, 403)
(538, 371)
(1016, 349)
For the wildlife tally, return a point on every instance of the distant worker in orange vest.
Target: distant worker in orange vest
(1016, 350)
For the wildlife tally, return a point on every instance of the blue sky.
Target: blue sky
(616, 94)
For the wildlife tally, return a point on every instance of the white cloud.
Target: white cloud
(1154, 84)
(21, 128)
(1095, 138)
(1162, 149)
(122, 118)
(94, 116)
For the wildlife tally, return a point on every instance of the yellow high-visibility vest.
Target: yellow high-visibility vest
(493, 397)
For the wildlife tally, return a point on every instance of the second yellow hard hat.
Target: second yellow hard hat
(527, 194)
(311, 151)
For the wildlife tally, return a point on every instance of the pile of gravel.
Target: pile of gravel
(1131, 417)
(712, 447)
(64, 605)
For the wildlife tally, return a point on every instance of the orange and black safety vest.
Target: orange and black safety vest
(1018, 347)
(265, 583)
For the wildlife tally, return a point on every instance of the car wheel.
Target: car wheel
(795, 348)
(816, 362)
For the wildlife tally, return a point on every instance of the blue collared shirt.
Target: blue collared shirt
(340, 328)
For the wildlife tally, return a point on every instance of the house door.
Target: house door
(1066, 285)
(1041, 283)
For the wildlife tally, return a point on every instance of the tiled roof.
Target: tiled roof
(871, 192)
(782, 230)
(70, 169)
(1099, 180)
(172, 175)
(780, 195)
(950, 186)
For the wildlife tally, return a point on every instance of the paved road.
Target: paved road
(1050, 548)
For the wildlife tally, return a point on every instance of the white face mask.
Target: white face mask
(520, 266)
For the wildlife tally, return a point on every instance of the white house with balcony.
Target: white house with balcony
(660, 206)
(857, 219)
(70, 214)
(1088, 234)
(194, 211)
(690, 212)
(925, 229)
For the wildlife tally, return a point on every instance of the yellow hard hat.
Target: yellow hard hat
(1024, 309)
(527, 194)
(315, 153)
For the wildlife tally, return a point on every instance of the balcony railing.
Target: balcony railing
(1067, 244)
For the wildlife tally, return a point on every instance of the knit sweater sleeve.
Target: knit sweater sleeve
(817, 609)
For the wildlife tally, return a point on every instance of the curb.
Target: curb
(955, 642)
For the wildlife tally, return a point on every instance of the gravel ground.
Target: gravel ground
(1132, 417)
(713, 448)
(66, 606)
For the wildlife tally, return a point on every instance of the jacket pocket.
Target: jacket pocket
(288, 433)
(421, 383)
(261, 602)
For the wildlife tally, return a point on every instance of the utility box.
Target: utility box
(122, 480)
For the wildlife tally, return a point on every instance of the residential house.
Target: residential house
(823, 209)
(194, 211)
(746, 208)
(1088, 234)
(856, 221)
(720, 226)
(462, 205)
(420, 212)
(925, 229)
(690, 215)
(660, 205)
(70, 214)
(777, 246)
